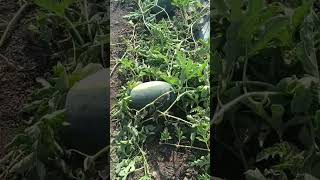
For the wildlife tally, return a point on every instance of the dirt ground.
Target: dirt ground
(166, 162)
(21, 61)
(118, 29)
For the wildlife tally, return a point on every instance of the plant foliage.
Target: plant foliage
(265, 59)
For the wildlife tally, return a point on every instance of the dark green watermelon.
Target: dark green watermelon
(87, 107)
(204, 29)
(165, 4)
(147, 92)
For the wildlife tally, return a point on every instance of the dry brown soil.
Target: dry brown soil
(21, 61)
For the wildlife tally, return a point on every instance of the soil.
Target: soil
(21, 61)
(118, 29)
(165, 162)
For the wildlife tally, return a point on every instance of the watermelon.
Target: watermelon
(204, 29)
(147, 92)
(87, 108)
(167, 6)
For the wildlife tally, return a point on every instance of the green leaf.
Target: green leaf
(32, 106)
(54, 6)
(78, 75)
(170, 79)
(235, 6)
(306, 50)
(55, 119)
(18, 140)
(253, 21)
(34, 131)
(273, 30)
(255, 6)
(128, 169)
(221, 7)
(58, 70)
(179, 3)
(287, 85)
(302, 100)
(61, 78)
(279, 149)
(165, 135)
(43, 92)
(300, 13)
(203, 161)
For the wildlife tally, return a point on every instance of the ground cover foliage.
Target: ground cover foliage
(77, 33)
(163, 47)
(265, 77)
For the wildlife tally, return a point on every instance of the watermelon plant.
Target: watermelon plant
(76, 32)
(165, 96)
(265, 59)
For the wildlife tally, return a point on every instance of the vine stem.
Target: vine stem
(257, 83)
(85, 4)
(78, 152)
(174, 117)
(80, 39)
(182, 146)
(117, 65)
(177, 99)
(154, 101)
(145, 163)
(229, 105)
(244, 77)
(102, 151)
(143, 17)
(12, 22)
